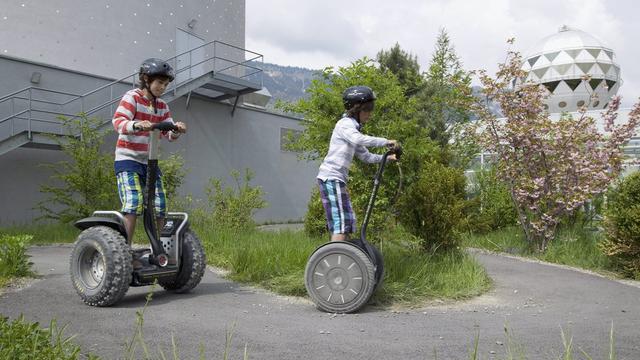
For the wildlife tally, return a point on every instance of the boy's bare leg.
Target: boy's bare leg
(130, 226)
(339, 237)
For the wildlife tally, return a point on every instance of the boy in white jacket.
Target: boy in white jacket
(347, 141)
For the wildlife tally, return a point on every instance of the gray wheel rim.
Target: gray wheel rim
(91, 268)
(337, 279)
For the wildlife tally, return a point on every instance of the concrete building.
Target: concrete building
(71, 56)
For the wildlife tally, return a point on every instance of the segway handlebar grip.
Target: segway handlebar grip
(394, 149)
(164, 126)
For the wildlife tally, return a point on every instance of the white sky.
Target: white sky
(315, 34)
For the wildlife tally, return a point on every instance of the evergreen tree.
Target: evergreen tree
(445, 98)
(404, 66)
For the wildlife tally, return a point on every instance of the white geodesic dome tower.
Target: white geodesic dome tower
(561, 60)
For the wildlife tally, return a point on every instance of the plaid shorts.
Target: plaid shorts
(337, 207)
(131, 194)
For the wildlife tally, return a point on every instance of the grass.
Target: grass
(20, 339)
(14, 261)
(516, 351)
(572, 246)
(44, 234)
(276, 261)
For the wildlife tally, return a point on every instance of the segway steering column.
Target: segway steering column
(159, 256)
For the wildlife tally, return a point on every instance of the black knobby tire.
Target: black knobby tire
(100, 266)
(339, 278)
(192, 266)
(379, 270)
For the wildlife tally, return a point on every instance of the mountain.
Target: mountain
(286, 83)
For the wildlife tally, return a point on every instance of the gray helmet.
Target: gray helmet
(357, 95)
(156, 67)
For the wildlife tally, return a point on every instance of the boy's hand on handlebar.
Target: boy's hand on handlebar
(181, 127)
(392, 157)
(143, 125)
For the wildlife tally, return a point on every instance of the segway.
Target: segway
(341, 276)
(103, 265)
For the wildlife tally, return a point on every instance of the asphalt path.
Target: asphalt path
(536, 302)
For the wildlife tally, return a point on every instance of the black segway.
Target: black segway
(341, 276)
(103, 265)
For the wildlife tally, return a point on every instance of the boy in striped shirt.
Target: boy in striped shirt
(347, 141)
(137, 111)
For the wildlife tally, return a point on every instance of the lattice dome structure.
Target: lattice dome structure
(560, 61)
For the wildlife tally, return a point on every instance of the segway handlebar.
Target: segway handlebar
(164, 126)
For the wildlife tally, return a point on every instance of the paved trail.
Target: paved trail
(534, 300)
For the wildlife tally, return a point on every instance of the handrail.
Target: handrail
(14, 115)
(14, 93)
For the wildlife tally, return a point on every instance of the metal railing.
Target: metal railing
(35, 109)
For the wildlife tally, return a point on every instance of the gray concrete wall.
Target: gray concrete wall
(111, 37)
(217, 143)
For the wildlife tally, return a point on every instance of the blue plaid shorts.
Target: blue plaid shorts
(337, 207)
(131, 194)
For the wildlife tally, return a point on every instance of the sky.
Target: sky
(316, 34)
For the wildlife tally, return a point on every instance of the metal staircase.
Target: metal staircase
(31, 117)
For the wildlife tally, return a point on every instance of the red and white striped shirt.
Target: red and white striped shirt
(134, 145)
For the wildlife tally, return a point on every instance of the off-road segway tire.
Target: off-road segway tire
(192, 266)
(339, 278)
(100, 266)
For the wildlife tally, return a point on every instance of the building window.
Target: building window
(562, 104)
(580, 103)
(596, 103)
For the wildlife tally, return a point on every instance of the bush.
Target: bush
(172, 174)
(14, 261)
(315, 221)
(432, 207)
(234, 208)
(491, 207)
(622, 225)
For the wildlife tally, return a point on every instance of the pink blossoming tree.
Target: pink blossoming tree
(551, 167)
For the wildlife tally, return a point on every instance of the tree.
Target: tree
(404, 66)
(445, 98)
(551, 167)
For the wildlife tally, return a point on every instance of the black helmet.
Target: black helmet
(156, 67)
(357, 95)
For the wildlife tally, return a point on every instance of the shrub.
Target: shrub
(491, 207)
(172, 174)
(234, 208)
(622, 225)
(315, 222)
(14, 261)
(432, 207)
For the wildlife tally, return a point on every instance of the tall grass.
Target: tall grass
(573, 246)
(513, 350)
(276, 261)
(43, 234)
(14, 261)
(20, 339)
